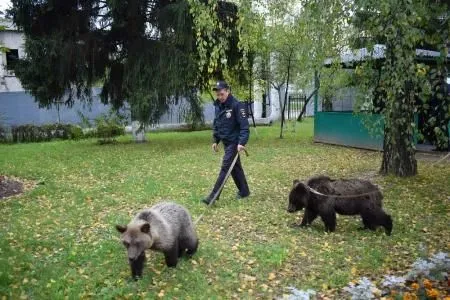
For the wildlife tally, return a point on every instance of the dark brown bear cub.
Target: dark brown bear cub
(343, 196)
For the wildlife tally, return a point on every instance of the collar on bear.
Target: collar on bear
(340, 196)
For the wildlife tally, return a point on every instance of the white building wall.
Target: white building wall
(11, 39)
(275, 104)
(273, 97)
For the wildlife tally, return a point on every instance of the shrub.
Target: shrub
(76, 133)
(3, 138)
(106, 131)
(296, 294)
(31, 133)
(361, 290)
(109, 126)
(105, 127)
(435, 267)
(427, 279)
(4, 133)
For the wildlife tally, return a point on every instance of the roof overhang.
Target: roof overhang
(349, 59)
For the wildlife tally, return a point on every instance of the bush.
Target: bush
(76, 133)
(106, 131)
(361, 290)
(105, 127)
(32, 133)
(427, 279)
(5, 133)
(109, 126)
(296, 294)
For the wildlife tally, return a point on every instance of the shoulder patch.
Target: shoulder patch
(243, 113)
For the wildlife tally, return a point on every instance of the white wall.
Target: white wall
(12, 40)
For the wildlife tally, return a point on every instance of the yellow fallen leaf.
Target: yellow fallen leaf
(246, 277)
(272, 276)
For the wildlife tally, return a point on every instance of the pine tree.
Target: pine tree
(144, 52)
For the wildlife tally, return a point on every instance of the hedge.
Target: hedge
(32, 133)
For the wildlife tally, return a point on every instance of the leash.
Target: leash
(441, 159)
(339, 196)
(214, 198)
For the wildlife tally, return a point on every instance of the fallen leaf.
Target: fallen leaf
(246, 277)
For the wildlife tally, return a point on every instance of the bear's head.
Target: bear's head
(136, 238)
(298, 197)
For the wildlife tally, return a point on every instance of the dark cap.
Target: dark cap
(220, 85)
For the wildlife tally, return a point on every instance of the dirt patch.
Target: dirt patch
(10, 186)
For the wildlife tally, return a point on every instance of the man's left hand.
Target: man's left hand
(240, 148)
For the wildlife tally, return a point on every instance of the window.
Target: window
(12, 55)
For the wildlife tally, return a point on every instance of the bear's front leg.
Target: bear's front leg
(171, 256)
(308, 218)
(329, 220)
(137, 266)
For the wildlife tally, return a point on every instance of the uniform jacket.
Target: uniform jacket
(231, 122)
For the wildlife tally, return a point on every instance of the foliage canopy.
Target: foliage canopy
(149, 53)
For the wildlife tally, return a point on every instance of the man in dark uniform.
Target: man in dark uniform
(232, 129)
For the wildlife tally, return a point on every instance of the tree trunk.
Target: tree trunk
(264, 106)
(138, 132)
(280, 98)
(286, 94)
(398, 146)
(299, 119)
(397, 158)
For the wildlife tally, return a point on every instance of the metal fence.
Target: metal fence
(295, 104)
(343, 100)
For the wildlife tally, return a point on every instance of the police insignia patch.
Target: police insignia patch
(243, 113)
(228, 115)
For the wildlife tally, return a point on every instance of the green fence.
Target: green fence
(348, 129)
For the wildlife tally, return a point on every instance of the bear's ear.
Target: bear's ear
(295, 182)
(145, 228)
(302, 188)
(121, 228)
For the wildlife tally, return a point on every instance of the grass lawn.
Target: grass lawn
(59, 241)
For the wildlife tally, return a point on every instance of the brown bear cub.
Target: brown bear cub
(166, 227)
(343, 196)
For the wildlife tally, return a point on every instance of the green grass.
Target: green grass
(58, 240)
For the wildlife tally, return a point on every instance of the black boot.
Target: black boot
(209, 199)
(206, 200)
(240, 197)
